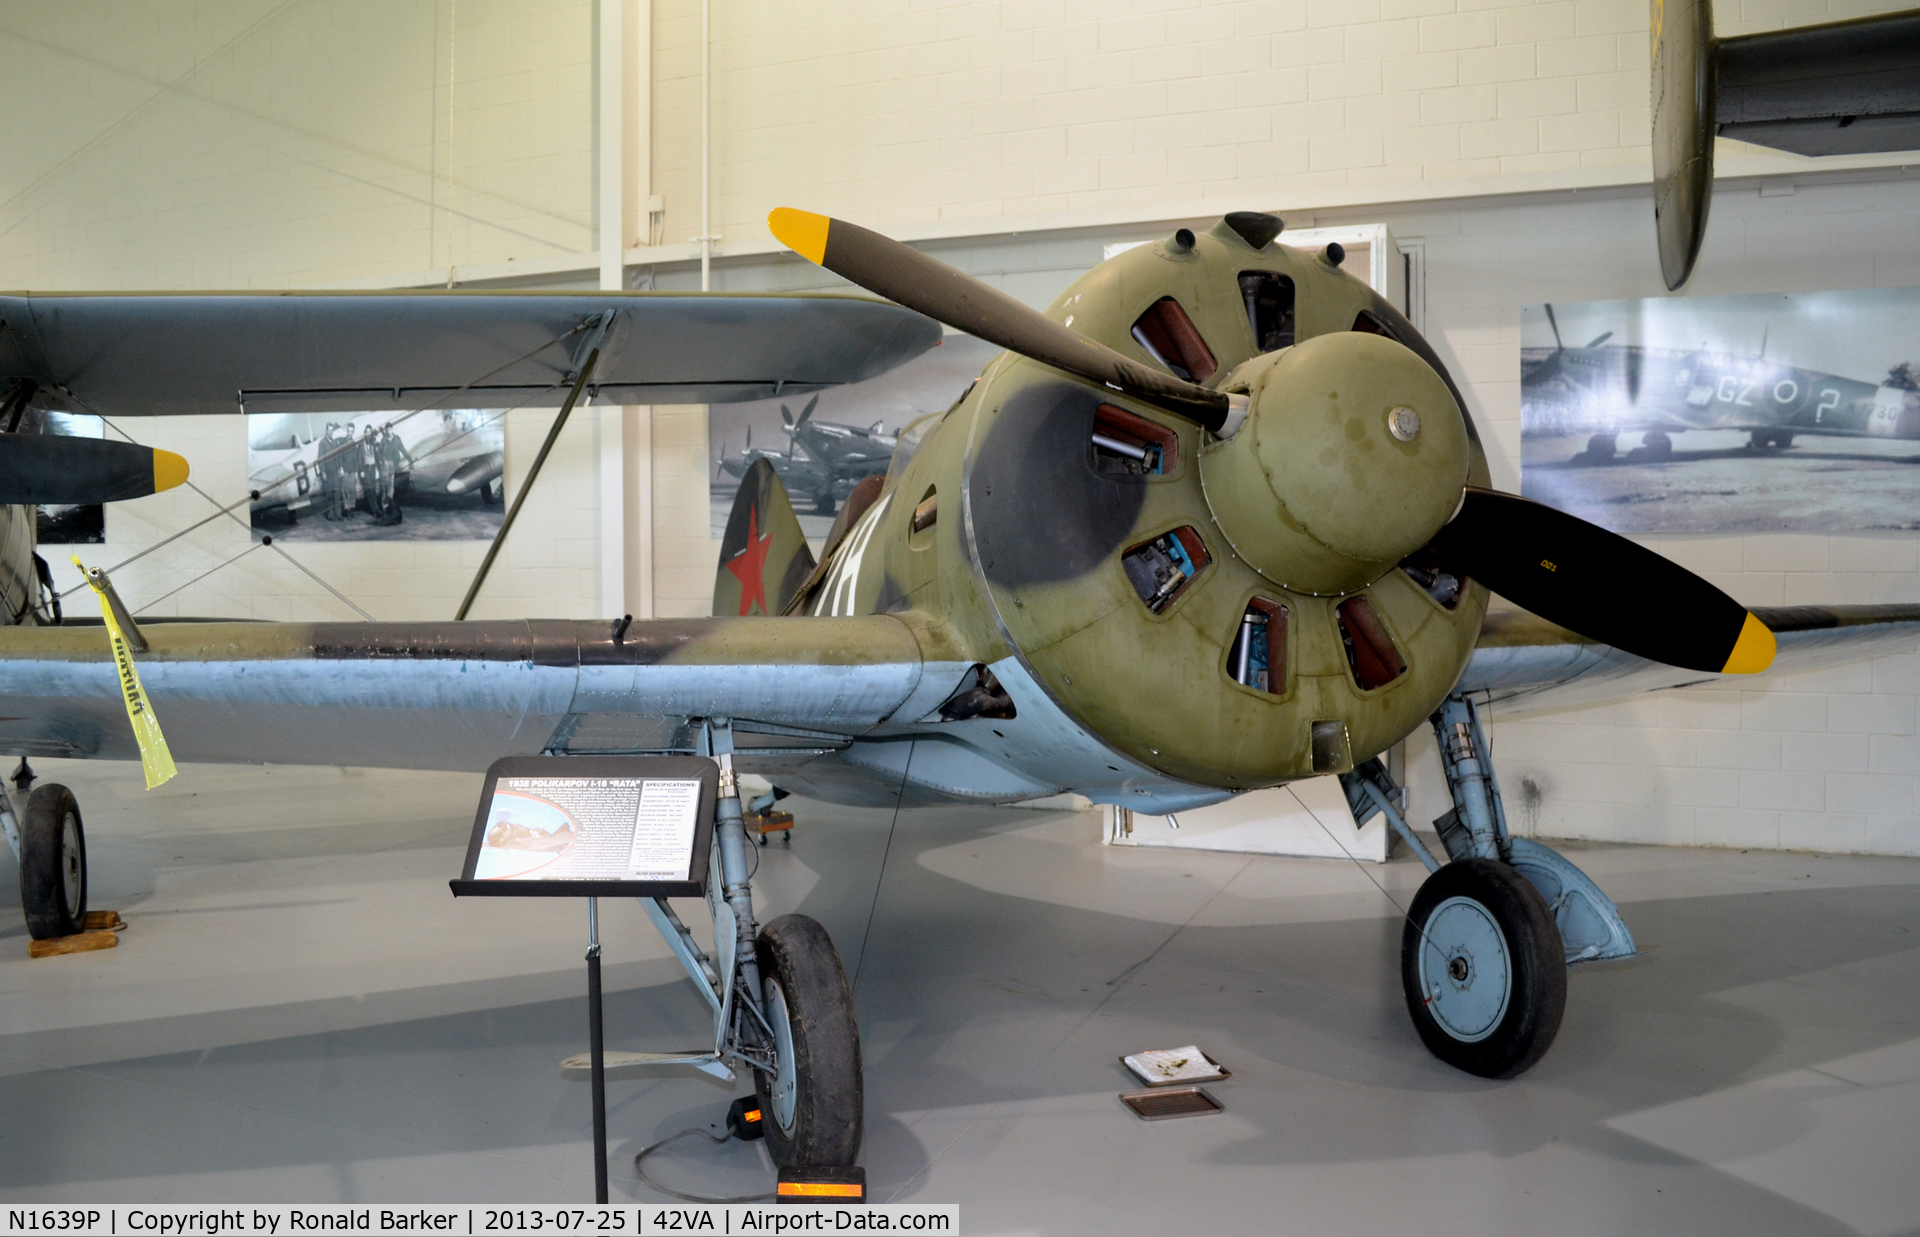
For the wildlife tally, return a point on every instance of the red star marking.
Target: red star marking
(750, 564)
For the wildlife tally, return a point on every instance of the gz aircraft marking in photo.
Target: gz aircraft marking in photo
(1606, 389)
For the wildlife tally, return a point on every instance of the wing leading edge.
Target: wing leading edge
(1529, 665)
(446, 695)
(134, 354)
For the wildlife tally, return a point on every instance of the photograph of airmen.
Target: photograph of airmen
(377, 476)
(1751, 413)
(824, 444)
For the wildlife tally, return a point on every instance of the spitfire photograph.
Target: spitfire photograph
(377, 476)
(1796, 412)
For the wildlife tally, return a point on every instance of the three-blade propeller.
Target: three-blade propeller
(1566, 570)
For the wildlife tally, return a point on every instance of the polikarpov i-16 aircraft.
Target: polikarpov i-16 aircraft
(1216, 520)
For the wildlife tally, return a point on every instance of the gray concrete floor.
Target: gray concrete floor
(301, 1012)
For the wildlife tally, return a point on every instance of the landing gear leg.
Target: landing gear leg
(782, 1006)
(1481, 961)
(1490, 935)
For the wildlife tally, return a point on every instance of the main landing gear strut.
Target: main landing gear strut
(781, 1004)
(1489, 937)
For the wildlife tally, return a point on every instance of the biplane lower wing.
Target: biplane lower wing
(1525, 664)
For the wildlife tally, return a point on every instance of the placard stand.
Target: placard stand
(597, 1046)
(593, 827)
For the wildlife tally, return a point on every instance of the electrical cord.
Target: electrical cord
(716, 1139)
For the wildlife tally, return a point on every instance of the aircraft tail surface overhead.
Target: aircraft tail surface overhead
(764, 557)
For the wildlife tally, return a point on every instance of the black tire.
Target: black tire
(1452, 927)
(1600, 448)
(53, 863)
(820, 1126)
(1657, 445)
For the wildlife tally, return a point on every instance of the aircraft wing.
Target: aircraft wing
(1525, 664)
(454, 695)
(150, 354)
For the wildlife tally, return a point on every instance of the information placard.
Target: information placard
(592, 826)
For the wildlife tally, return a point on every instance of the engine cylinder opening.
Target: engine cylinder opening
(1126, 444)
(1161, 569)
(1371, 654)
(1170, 338)
(1257, 658)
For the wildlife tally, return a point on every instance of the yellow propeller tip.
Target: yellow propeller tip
(1753, 651)
(801, 231)
(169, 470)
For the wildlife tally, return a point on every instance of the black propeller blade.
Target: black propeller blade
(1601, 585)
(51, 468)
(904, 275)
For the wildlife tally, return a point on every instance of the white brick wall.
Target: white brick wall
(917, 117)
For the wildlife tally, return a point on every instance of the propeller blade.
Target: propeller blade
(806, 412)
(903, 274)
(786, 416)
(1555, 324)
(1601, 585)
(1599, 339)
(53, 469)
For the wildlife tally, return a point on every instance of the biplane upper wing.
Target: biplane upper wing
(170, 353)
(453, 695)
(1526, 664)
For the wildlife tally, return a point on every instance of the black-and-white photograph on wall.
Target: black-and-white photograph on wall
(823, 444)
(435, 475)
(85, 524)
(1726, 413)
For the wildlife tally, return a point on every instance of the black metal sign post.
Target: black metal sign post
(597, 1045)
(593, 827)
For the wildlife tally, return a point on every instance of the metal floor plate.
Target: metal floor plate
(1165, 1103)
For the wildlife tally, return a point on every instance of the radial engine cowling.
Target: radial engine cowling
(1353, 455)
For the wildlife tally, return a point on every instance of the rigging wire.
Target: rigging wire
(1395, 902)
(203, 575)
(866, 935)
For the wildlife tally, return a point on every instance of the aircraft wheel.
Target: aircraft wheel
(53, 863)
(1600, 448)
(1782, 439)
(1483, 969)
(1658, 446)
(814, 1102)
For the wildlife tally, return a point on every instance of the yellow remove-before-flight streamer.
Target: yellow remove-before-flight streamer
(155, 760)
